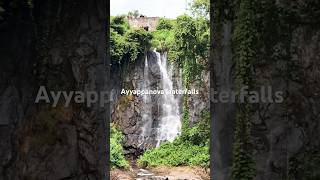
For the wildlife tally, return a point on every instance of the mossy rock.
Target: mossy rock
(124, 101)
(44, 129)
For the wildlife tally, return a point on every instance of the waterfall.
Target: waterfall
(146, 115)
(169, 126)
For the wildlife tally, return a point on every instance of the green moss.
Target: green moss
(245, 54)
(44, 130)
(305, 165)
(117, 159)
(185, 116)
(124, 101)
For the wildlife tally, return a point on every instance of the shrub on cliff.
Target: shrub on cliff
(177, 153)
(165, 24)
(127, 44)
(117, 159)
(192, 148)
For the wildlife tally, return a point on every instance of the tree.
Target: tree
(127, 44)
(164, 24)
(185, 33)
(119, 24)
(117, 158)
(134, 13)
(201, 7)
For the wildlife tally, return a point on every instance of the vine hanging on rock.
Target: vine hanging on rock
(244, 47)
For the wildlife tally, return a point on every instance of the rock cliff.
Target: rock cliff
(128, 110)
(59, 45)
(284, 135)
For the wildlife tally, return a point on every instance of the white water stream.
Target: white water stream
(146, 116)
(168, 125)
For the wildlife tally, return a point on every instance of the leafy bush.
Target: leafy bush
(185, 33)
(119, 47)
(185, 39)
(199, 134)
(163, 40)
(119, 24)
(165, 24)
(139, 37)
(117, 158)
(127, 44)
(200, 7)
(176, 153)
(192, 148)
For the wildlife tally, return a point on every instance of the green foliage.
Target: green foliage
(245, 40)
(192, 148)
(163, 37)
(176, 153)
(120, 48)
(185, 34)
(199, 134)
(244, 43)
(127, 44)
(185, 116)
(191, 38)
(191, 42)
(117, 158)
(134, 13)
(191, 71)
(306, 165)
(244, 163)
(186, 40)
(243, 166)
(201, 7)
(163, 40)
(139, 37)
(119, 24)
(202, 37)
(165, 24)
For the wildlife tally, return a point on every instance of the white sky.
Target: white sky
(150, 8)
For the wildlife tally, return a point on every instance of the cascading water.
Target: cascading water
(169, 126)
(146, 116)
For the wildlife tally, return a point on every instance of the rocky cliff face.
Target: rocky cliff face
(199, 103)
(283, 131)
(59, 45)
(284, 135)
(128, 110)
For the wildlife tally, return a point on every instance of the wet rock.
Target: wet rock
(129, 117)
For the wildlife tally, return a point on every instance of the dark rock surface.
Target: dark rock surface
(283, 134)
(127, 111)
(59, 45)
